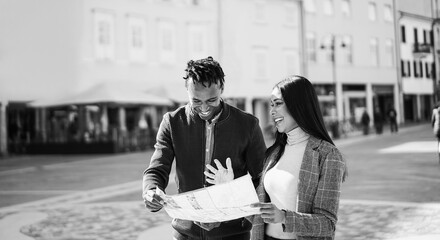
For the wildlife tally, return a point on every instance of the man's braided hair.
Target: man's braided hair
(205, 71)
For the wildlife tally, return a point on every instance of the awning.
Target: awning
(114, 92)
(174, 93)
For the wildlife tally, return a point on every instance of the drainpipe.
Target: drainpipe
(219, 31)
(397, 41)
(435, 21)
(302, 15)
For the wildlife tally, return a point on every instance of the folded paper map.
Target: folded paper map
(217, 203)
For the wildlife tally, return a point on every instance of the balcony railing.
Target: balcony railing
(422, 48)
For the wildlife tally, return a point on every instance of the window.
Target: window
(374, 51)
(431, 38)
(388, 13)
(310, 6)
(197, 41)
(260, 63)
(402, 68)
(416, 72)
(425, 37)
(428, 70)
(406, 68)
(311, 46)
(389, 53)
(104, 36)
(327, 45)
(291, 14)
(167, 41)
(347, 48)
(259, 11)
(194, 2)
(346, 8)
(416, 37)
(402, 31)
(136, 39)
(372, 15)
(292, 64)
(328, 7)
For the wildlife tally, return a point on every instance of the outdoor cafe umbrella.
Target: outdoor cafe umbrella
(106, 93)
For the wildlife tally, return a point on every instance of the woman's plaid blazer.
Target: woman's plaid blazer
(320, 179)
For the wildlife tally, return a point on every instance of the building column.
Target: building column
(104, 119)
(369, 102)
(155, 118)
(398, 105)
(340, 101)
(82, 121)
(248, 105)
(261, 114)
(37, 125)
(43, 122)
(3, 130)
(418, 108)
(122, 125)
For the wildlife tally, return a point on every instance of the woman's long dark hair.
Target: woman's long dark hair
(302, 103)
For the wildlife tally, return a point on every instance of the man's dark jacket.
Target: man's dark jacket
(181, 136)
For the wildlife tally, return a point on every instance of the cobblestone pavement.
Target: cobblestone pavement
(83, 215)
(386, 220)
(358, 220)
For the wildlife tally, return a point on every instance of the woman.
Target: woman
(300, 184)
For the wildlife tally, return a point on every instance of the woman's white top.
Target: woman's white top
(281, 182)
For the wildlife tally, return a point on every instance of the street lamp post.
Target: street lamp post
(335, 124)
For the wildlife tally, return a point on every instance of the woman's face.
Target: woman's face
(284, 122)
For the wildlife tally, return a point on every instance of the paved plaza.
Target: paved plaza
(129, 220)
(98, 213)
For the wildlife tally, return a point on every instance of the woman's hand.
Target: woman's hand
(221, 174)
(270, 213)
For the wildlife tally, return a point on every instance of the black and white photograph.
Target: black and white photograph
(332, 107)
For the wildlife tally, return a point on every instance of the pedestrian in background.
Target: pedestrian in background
(392, 116)
(365, 120)
(435, 122)
(378, 121)
(206, 130)
(300, 185)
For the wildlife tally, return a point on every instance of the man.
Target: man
(204, 130)
(365, 120)
(392, 114)
(378, 121)
(435, 122)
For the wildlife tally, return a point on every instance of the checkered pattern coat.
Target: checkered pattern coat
(319, 185)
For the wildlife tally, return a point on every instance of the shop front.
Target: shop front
(103, 119)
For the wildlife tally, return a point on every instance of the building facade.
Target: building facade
(417, 58)
(61, 49)
(258, 48)
(351, 56)
(57, 52)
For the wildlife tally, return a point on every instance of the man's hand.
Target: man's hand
(153, 201)
(221, 174)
